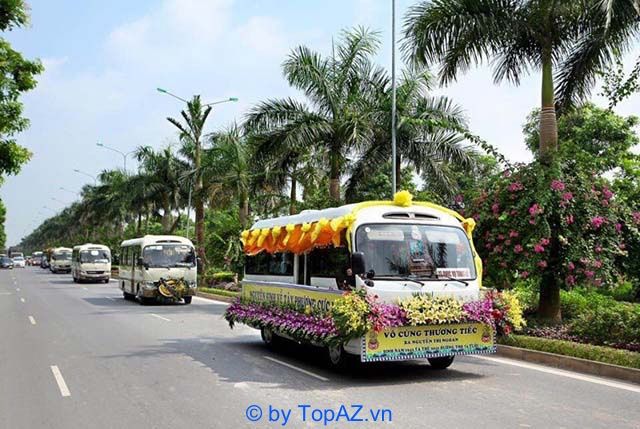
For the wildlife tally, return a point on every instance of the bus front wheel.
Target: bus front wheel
(338, 358)
(187, 299)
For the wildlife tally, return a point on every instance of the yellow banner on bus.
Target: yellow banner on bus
(415, 342)
(282, 294)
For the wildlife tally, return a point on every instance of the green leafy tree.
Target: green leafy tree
(17, 76)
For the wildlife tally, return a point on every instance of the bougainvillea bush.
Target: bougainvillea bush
(562, 224)
(356, 313)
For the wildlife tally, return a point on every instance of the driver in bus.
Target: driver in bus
(348, 282)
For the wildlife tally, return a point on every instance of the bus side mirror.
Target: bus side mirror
(357, 263)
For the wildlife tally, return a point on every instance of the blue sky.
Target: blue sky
(104, 60)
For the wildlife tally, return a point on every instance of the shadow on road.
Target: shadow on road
(241, 359)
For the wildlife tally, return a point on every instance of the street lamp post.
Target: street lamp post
(393, 97)
(124, 154)
(198, 182)
(95, 180)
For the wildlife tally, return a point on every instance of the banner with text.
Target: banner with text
(414, 342)
(285, 294)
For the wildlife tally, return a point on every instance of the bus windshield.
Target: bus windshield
(425, 251)
(65, 255)
(169, 255)
(95, 256)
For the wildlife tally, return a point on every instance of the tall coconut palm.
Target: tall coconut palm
(567, 42)
(335, 116)
(191, 130)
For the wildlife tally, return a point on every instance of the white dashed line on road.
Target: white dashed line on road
(32, 320)
(304, 371)
(64, 390)
(21, 299)
(17, 289)
(160, 317)
(84, 288)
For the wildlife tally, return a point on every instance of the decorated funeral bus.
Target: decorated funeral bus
(158, 267)
(382, 280)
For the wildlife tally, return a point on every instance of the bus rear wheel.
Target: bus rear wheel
(338, 358)
(441, 362)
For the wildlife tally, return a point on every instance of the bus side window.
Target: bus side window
(330, 263)
(277, 264)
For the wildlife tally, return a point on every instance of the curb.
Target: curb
(215, 297)
(584, 366)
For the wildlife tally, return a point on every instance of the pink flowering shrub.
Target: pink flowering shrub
(567, 224)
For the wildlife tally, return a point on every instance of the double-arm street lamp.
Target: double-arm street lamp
(124, 154)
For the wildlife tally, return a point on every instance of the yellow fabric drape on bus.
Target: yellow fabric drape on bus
(301, 238)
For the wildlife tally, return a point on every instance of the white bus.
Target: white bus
(390, 250)
(156, 266)
(60, 260)
(91, 262)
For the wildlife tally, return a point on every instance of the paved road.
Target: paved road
(79, 356)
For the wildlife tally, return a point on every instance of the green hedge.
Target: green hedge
(578, 350)
(220, 276)
(221, 292)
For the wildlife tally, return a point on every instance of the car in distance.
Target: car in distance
(19, 262)
(6, 263)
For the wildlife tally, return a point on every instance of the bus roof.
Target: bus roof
(156, 239)
(88, 246)
(318, 228)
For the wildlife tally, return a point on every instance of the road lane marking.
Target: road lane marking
(215, 301)
(17, 289)
(21, 299)
(64, 390)
(5, 293)
(304, 371)
(568, 374)
(32, 320)
(85, 288)
(160, 317)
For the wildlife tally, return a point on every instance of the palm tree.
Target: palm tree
(565, 40)
(431, 132)
(163, 181)
(191, 133)
(227, 168)
(336, 116)
(569, 42)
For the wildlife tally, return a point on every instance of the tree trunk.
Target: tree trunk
(166, 219)
(244, 209)
(398, 168)
(292, 196)
(139, 226)
(548, 123)
(334, 178)
(199, 208)
(549, 305)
